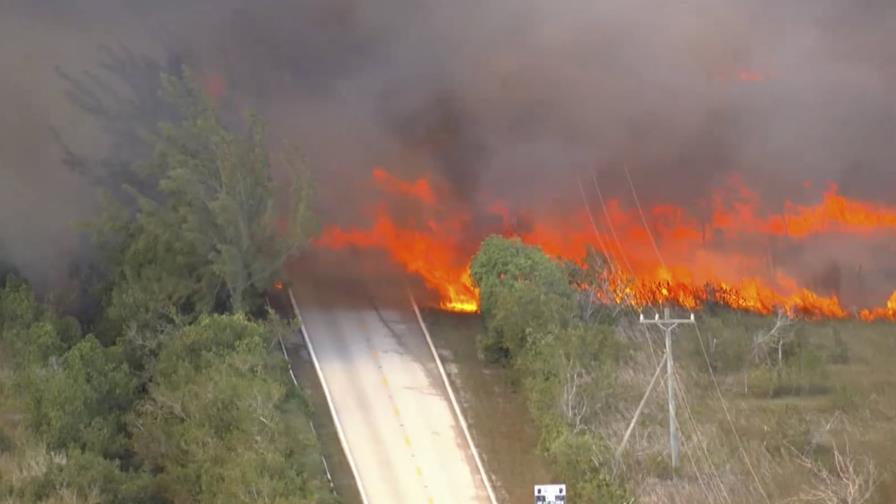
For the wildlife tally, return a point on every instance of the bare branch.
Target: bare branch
(852, 480)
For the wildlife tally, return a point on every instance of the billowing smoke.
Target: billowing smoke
(502, 100)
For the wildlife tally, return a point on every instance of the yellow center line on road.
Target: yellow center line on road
(407, 439)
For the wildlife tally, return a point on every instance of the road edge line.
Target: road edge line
(454, 404)
(310, 422)
(323, 383)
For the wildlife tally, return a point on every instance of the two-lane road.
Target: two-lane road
(407, 445)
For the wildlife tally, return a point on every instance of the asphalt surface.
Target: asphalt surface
(398, 422)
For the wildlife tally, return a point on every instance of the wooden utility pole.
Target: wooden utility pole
(667, 324)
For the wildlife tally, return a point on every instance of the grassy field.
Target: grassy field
(835, 391)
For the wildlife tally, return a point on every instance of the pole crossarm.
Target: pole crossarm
(667, 323)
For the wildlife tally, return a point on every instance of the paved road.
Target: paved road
(398, 422)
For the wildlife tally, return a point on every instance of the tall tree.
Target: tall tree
(219, 187)
(212, 235)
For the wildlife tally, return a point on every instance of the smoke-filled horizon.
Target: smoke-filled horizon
(502, 100)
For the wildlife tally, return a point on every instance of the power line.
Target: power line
(717, 480)
(615, 236)
(687, 452)
(740, 443)
(702, 348)
(600, 240)
(689, 416)
(668, 324)
(643, 218)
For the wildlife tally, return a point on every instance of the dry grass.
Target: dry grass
(793, 437)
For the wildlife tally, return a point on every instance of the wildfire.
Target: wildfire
(835, 214)
(695, 269)
(432, 253)
(885, 313)
(419, 189)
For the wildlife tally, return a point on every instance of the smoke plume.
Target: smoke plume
(501, 100)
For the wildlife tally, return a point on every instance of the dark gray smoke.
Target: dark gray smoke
(501, 99)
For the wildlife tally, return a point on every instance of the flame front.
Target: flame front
(693, 265)
(885, 313)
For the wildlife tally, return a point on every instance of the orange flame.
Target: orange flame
(885, 313)
(418, 189)
(693, 271)
(431, 254)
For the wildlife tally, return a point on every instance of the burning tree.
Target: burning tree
(601, 293)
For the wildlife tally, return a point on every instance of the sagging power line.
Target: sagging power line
(667, 324)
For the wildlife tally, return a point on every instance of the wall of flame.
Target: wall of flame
(681, 260)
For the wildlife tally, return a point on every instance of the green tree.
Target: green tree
(564, 357)
(154, 405)
(76, 476)
(523, 294)
(210, 236)
(220, 187)
(80, 400)
(30, 332)
(582, 460)
(219, 423)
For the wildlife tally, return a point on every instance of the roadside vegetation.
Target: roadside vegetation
(770, 409)
(565, 363)
(495, 409)
(168, 391)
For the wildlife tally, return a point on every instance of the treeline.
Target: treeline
(562, 351)
(170, 393)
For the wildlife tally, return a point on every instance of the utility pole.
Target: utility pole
(667, 324)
